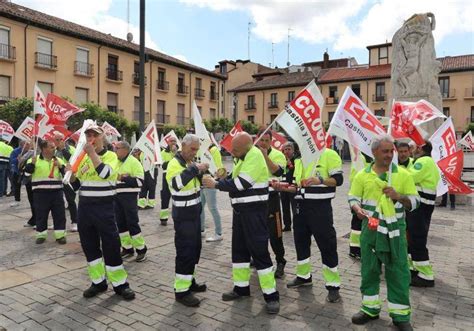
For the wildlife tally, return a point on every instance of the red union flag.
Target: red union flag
(468, 141)
(278, 140)
(443, 141)
(452, 164)
(456, 185)
(355, 123)
(227, 140)
(59, 110)
(6, 131)
(26, 129)
(407, 117)
(301, 120)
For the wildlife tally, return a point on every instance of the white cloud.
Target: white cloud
(344, 24)
(89, 13)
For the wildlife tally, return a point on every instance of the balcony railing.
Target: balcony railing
(136, 116)
(162, 118)
(181, 120)
(469, 93)
(448, 94)
(379, 97)
(199, 93)
(114, 74)
(332, 100)
(83, 68)
(213, 95)
(273, 104)
(7, 52)
(250, 106)
(46, 60)
(182, 89)
(136, 79)
(162, 85)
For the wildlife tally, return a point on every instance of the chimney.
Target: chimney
(325, 60)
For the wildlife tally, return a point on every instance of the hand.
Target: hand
(122, 176)
(209, 182)
(203, 167)
(361, 213)
(264, 151)
(310, 181)
(391, 193)
(33, 159)
(221, 173)
(89, 149)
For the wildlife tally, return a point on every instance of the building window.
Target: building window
(356, 89)
(332, 95)
(162, 83)
(180, 118)
(82, 65)
(472, 114)
(112, 102)
(44, 53)
(272, 118)
(45, 88)
(82, 95)
(330, 116)
(380, 112)
(273, 100)
(200, 109)
(6, 51)
(250, 102)
(446, 111)
(291, 96)
(198, 91)
(380, 92)
(213, 93)
(182, 88)
(212, 113)
(112, 68)
(383, 52)
(223, 68)
(444, 86)
(4, 89)
(161, 112)
(251, 119)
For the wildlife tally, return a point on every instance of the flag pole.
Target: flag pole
(268, 128)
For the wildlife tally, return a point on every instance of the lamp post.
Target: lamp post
(141, 69)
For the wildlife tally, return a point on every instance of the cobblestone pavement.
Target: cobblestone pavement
(41, 286)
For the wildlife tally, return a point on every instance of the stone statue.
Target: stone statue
(414, 66)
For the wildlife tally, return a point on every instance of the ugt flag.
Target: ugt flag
(6, 131)
(204, 140)
(226, 142)
(59, 110)
(301, 120)
(451, 167)
(354, 122)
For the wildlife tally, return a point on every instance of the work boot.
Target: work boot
(333, 295)
(189, 300)
(164, 222)
(126, 293)
(127, 252)
(273, 307)
(361, 318)
(95, 289)
(61, 241)
(299, 282)
(417, 281)
(141, 254)
(355, 256)
(232, 295)
(280, 270)
(195, 287)
(39, 241)
(403, 326)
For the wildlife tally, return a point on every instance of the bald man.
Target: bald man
(248, 191)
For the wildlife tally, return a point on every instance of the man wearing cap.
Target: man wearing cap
(166, 155)
(96, 179)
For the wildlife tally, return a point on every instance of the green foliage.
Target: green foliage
(15, 111)
(249, 127)
(180, 130)
(470, 127)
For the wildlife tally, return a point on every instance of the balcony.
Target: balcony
(273, 105)
(162, 85)
(213, 95)
(136, 79)
(162, 118)
(182, 89)
(332, 100)
(7, 52)
(448, 94)
(199, 93)
(469, 93)
(379, 97)
(114, 75)
(181, 120)
(46, 61)
(83, 69)
(136, 116)
(250, 106)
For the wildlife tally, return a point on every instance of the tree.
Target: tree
(178, 129)
(249, 127)
(470, 127)
(15, 111)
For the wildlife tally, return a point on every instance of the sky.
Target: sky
(204, 32)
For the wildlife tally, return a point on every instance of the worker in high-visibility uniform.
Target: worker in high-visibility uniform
(379, 195)
(64, 152)
(129, 180)
(276, 162)
(248, 191)
(46, 182)
(183, 177)
(356, 223)
(166, 155)
(404, 158)
(5, 151)
(209, 198)
(146, 198)
(316, 188)
(288, 198)
(96, 179)
(426, 175)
